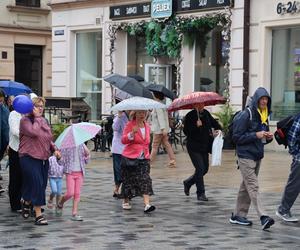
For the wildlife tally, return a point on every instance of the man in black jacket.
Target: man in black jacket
(251, 133)
(198, 125)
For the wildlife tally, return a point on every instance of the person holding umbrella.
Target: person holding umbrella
(74, 157)
(135, 162)
(160, 129)
(198, 127)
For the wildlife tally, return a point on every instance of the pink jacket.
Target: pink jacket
(134, 148)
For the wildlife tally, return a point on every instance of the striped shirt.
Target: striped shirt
(294, 139)
(35, 138)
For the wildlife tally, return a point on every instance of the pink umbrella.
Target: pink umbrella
(189, 101)
(77, 134)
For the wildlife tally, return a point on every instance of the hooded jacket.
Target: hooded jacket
(248, 146)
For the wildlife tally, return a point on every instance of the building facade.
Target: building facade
(25, 44)
(83, 51)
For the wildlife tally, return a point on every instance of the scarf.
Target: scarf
(264, 114)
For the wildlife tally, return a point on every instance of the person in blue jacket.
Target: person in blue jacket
(250, 134)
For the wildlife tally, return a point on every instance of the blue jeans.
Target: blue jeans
(56, 186)
(117, 168)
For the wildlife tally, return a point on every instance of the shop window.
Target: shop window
(285, 79)
(28, 3)
(209, 64)
(89, 70)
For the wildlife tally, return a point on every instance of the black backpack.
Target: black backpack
(235, 119)
(283, 127)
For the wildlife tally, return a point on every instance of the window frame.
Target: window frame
(28, 3)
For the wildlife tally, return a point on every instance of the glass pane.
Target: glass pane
(209, 67)
(89, 70)
(142, 57)
(285, 86)
(158, 75)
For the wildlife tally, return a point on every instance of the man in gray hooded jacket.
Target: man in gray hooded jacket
(251, 133)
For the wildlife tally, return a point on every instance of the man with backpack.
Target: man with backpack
(292, 187)
(250, 134)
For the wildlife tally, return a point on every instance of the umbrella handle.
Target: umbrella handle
(198, 114)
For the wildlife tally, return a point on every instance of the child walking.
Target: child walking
(74, 161)
(55, 174)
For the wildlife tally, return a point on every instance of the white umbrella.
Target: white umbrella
(138, 103)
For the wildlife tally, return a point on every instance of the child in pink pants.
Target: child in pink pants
(74, 161)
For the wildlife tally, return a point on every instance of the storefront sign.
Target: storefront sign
(188, 5)
(161, 8)
(165, 8)
(59, 32)
(132, 10)
(290, 7)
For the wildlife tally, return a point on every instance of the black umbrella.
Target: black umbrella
(205, 81)
(137, 77)
(161, 89)
(128, 85)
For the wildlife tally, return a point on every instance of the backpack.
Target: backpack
(283, 127)
(236, 117)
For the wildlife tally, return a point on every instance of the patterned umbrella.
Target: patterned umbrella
(138, 103)
(77, 134)
(190, 100)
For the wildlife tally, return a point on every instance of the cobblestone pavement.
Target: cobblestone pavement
(179, 222)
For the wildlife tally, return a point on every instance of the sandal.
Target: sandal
(26, 210)
(40, 221)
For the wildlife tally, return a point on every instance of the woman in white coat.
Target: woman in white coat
(160, 129)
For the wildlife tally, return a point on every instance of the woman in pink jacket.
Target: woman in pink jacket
(135, 164)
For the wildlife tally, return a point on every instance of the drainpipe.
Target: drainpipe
(246, 46)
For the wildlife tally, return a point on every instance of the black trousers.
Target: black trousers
(201, 164)
(15, 180)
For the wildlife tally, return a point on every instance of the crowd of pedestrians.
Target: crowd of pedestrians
(34, 158)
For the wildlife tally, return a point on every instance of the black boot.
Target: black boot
(202, 197)
(186, 188)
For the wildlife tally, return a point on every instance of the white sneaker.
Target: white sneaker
(126, 206)
(288, 217)
(76, 217)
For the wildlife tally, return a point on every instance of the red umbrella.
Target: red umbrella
(190, 100)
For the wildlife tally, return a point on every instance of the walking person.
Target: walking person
(15, 171)
(55, 174)
(74, 161)
(117, 148)
(292, 187)
(135, 166)
(4, 130)
(35, 148)
(251, 133)
(160, 128)
(198, 125)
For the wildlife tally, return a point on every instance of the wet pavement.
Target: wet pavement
(179, 222)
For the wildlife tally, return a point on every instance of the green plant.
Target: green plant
(225, 116)
(57, 129)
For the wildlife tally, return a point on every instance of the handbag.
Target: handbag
(129, 163)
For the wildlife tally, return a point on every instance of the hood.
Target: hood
(259, 93)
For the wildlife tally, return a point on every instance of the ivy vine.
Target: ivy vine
(165, 38)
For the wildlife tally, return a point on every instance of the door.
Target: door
(28, 66)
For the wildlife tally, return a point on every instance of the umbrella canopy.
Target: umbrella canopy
(77, 134)
(137, 77)
(138, 103)
(128, 85)
(161, 89)
(190, 100)
(14, 88)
